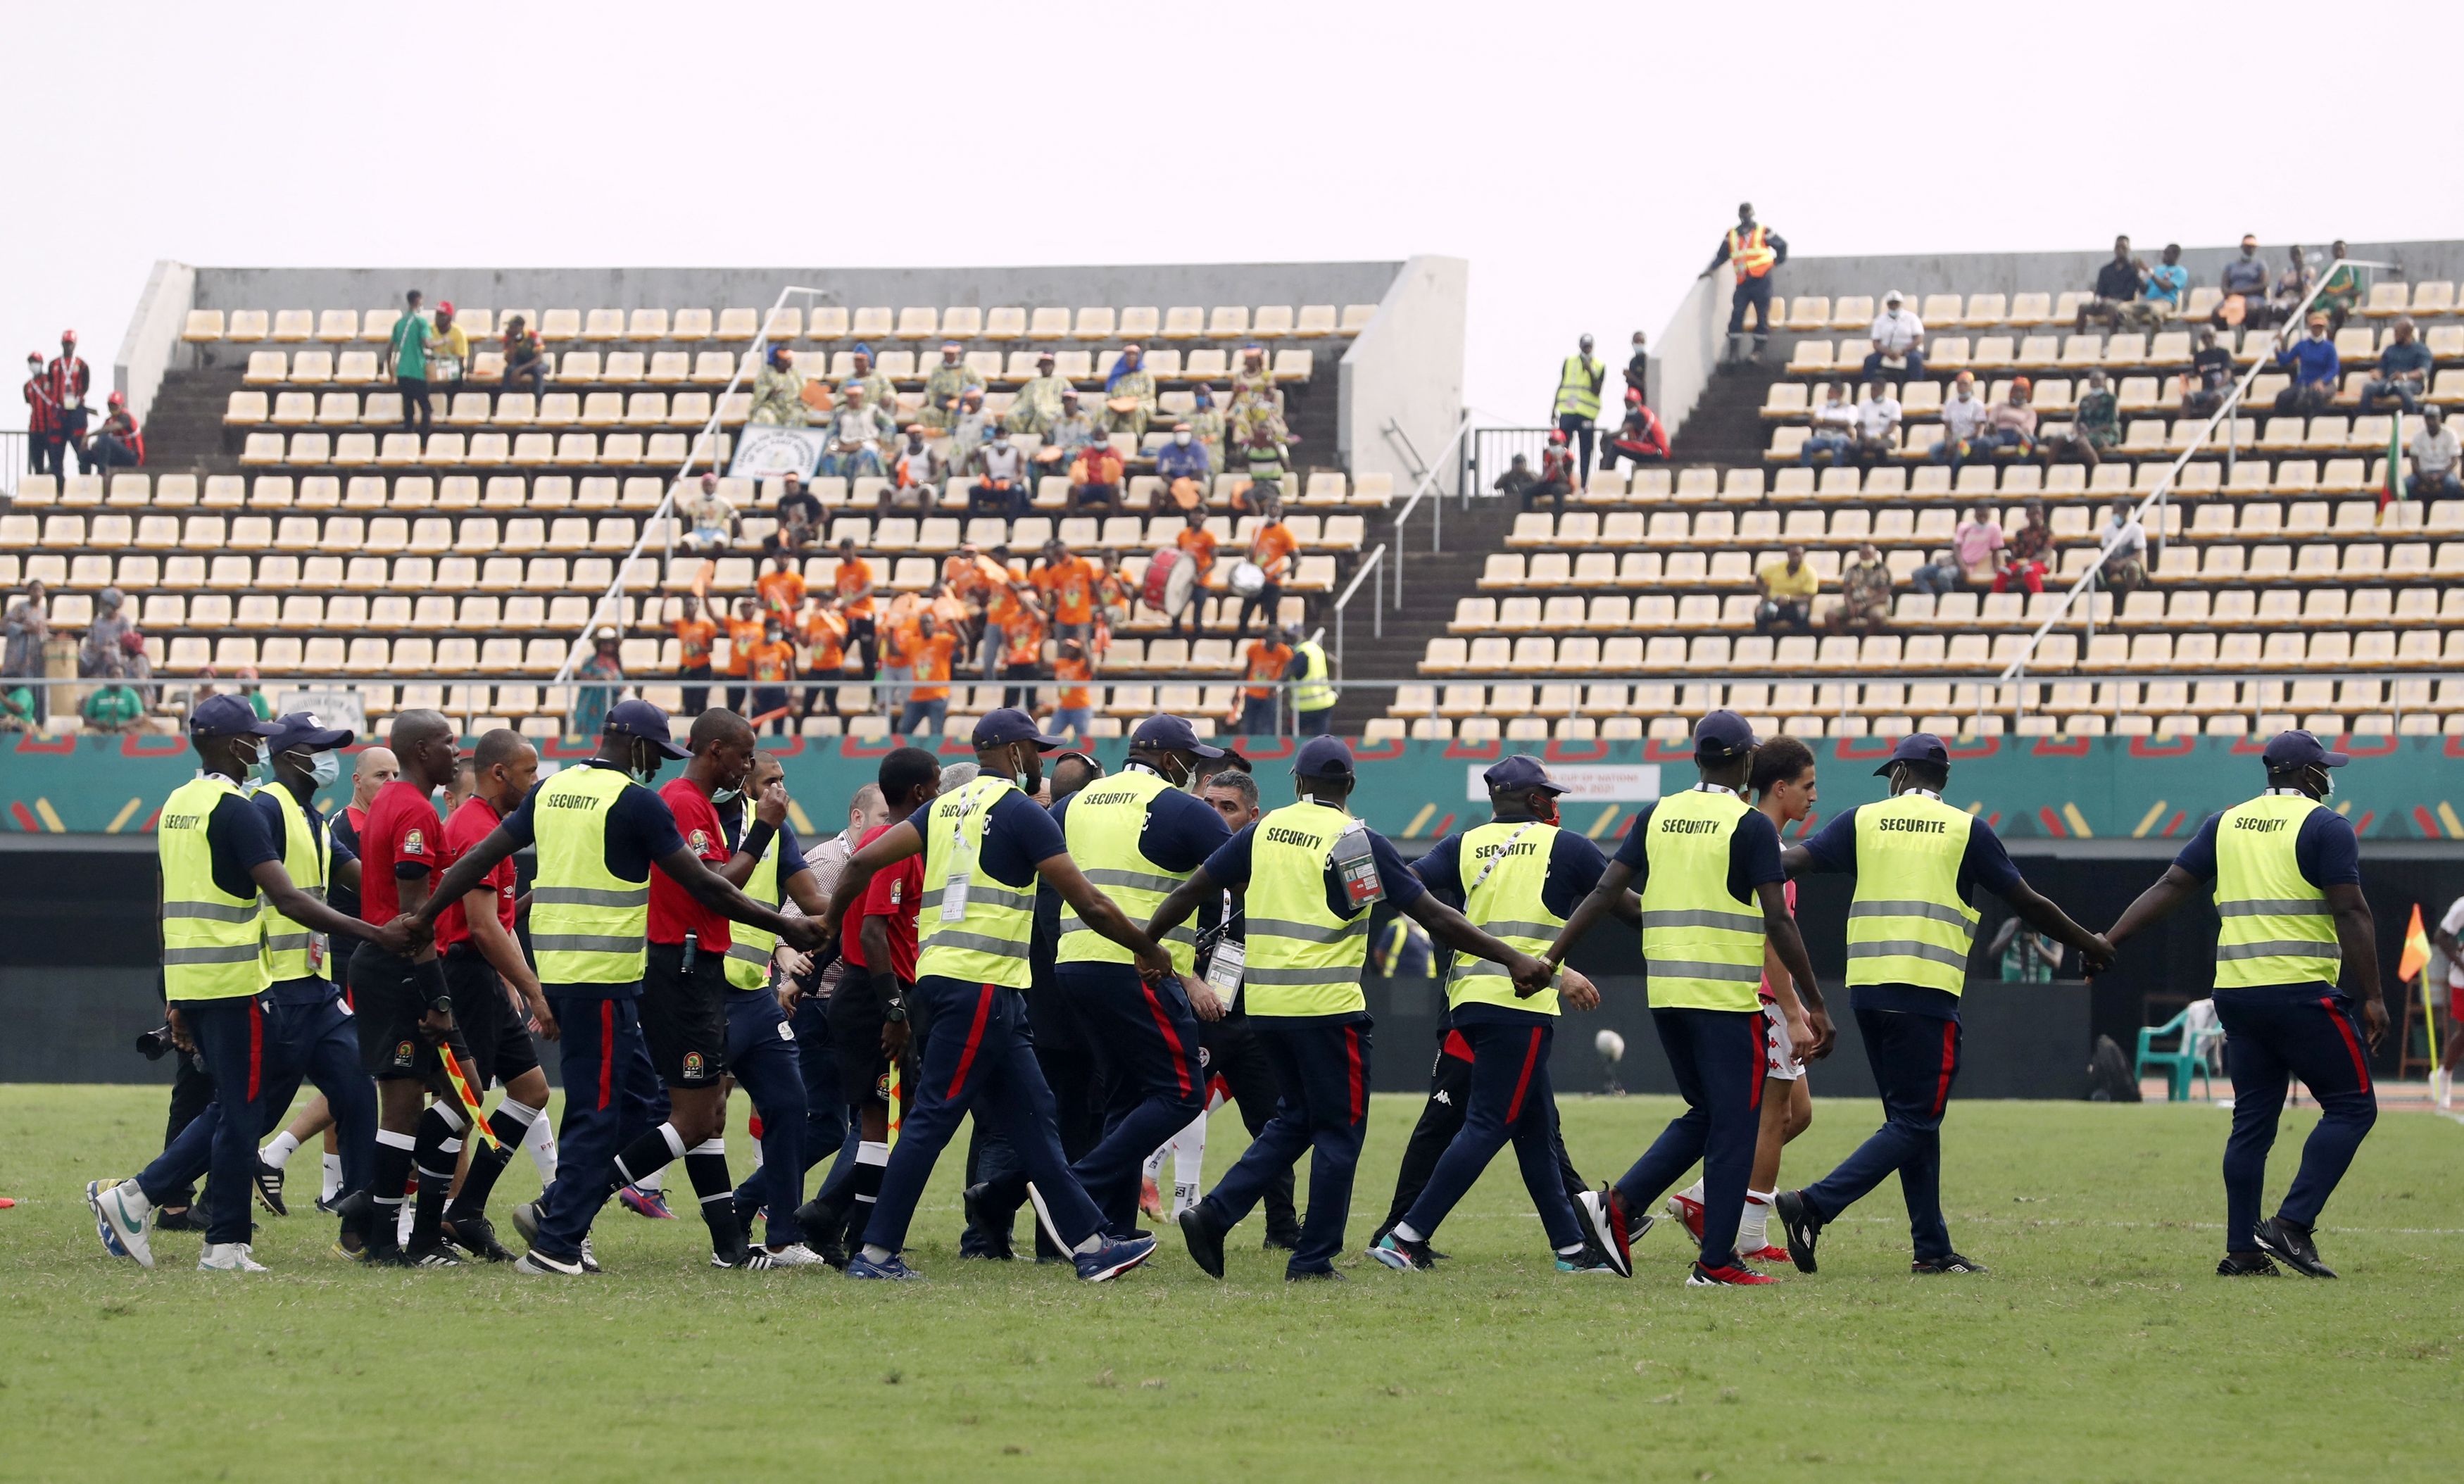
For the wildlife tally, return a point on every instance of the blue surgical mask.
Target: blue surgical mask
(725, 795)
(324, 767)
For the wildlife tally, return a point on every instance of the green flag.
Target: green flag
(2393, 488)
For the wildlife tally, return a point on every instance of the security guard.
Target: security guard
(1754, 249)
(1910, 933)
(2288, 880)
(1151, 833)
(984, 847)
(1577, 406)
(216, 856)
(600, 831)
(1313, 696)
(1312, 873)
(1518, 876)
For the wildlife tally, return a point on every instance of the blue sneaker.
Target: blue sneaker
(1115, 1257)
(892, 1267)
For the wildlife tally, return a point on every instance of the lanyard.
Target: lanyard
(1718, 789)
(1491, 864)
(1923, 793)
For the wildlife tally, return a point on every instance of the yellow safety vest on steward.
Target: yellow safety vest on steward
(749, 947)
(1579, 387)
(988, 946)
(213, 943)
(1703, 947)
(588, 926)
(293, 951)
(1302, 959)
(1503, 899)
(1750, 252)
(1313, 693)
(2276, 927)
(1907, 923)
(1104, 822)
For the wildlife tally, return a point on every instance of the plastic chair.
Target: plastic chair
(2198, 1031)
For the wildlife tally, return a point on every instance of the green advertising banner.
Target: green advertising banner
(2027, 788)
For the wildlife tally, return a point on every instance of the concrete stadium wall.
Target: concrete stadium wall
(2017, 273)
(1685, 353)
(153, 338)
(1406, 370)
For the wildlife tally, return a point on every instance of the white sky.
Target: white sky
(1584, 157)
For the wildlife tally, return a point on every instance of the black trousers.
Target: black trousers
(1231, 1051)
(1441, 1118)
(1267, 603)
(696, 696)
(193, 1093)
(414, 396)
(1584, 434)
(1755, 293)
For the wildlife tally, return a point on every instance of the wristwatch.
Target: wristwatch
(894, 1012)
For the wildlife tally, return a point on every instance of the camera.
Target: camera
(156, 1044)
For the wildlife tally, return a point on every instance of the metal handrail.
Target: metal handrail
(1376, 614)
(704, 441)
(2223, 414)
(1420, 491)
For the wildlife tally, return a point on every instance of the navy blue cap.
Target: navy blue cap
(1166, 733)
(640, 719)
(227, 716)
(1009, 725)
(1323, 757)
(1722, 734)
(1519, 773)
(304, 731)
(2297, 749)
(1916, 747)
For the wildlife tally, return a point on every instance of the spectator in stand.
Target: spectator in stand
(1577, 410)
(597, 680)
(854, 589)
(1638, 372)
(1756, 250)
(1206, 423)
(2244, 286)
(45, 443)
(449, 350)
(1518, 480)
(1068, 582)
(525, 361)
(771, 668)
(1267, 663)
(408, 350)
(1978, 544)
(781, 590)
(1556, 478)
(2012, 425)
(1938, 576)
(2116, 286)
(799, 518)
(114, 707)
(2030, 554)
(823, 633)
(17, 709)
(70, 381)
(1129, 395)
(896, 672)
(1073, 430)
(2403, 371)
(135, 664)
(2313, 362)
(117, 444)
(251, 692)
(1001, 598)
(1834, 432)
(1185, 467)
(99, 653)
(1965, 418)
(1000, 478)
(28, 628)
(1255, 396)
(1898, 335)
(2164, 291)
(914, 474)
(1271, 548)
(1040, 397)
(2125, 543)
(779, 392)
(1788, 588)
(2434, 451)
(878, 389)
(743, 633)
(947, 389)
(927, 707)
(1640, 439)
(858, 430)
(1199, 542)
(714, 517)
(1095, 478)
(1865, 594)
(2096, 424)
(696, 637)
(2211, 373)
(1073, 709)
(969, 432)
(2292, 286)
(1022, 653)
(1878, 426)
(2341, 289)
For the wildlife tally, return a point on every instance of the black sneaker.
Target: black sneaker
(1204, 1240)
(185, 1219)
(1403, 1256)
(1322, 1276)
(1951, 1262)
(1803, 1227)
(437, 1256)
(832, 1253)
(1284, 1242)
(269, 1187)
(477, 1236)
(2290, 1245)
(817, 1215)
(992, 1227)
(2247, 1265)
(352, 1212)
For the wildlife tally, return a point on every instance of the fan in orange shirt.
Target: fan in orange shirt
(1195, 539)
(1074, 708)
(1067, 582)
(928, 704)
(823, 634)
(782, 588)
(853, 586)
(1271, 548)
(743, 633)
(772, 663)
(1266, 659)
(696, 637)
(1023, 663)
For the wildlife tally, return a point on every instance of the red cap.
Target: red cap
(116, 399)
(445, 308)
(68, 337)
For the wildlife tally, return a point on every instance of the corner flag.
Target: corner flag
(2416, 949)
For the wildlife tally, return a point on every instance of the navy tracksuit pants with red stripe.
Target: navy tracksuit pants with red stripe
(2273, 1032)
(1718, 1058)
(1510, 1098)
(1915, 1060)
(1145, 1039)
(611, 1096)
(1321, 1066)
(230, 1036)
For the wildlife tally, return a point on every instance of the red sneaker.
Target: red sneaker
(1767, 1254)
(1725, 1278)
(653, 1204)
(1689, 1212)
(1150, 1199)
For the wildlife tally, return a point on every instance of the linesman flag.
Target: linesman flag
(2416, 949)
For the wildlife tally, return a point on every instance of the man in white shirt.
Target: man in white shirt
(1963, 417)
(2125, 550)
(1878, 425)
(1834, 430)
(1897, 335)
(2435, 452)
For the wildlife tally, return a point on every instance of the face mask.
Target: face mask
(1180, 439)
(639, 772)
(324, 768)
(725, 795)
(259, 766)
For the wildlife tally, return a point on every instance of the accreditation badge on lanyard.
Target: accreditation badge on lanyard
(1358, 866)
(962, 863)
(316, 950)
(1226, 958)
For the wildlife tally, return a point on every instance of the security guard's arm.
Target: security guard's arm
(1797, 861)
(1457, 932)
(1184, 900)
(1105, 916)
(306, 910)
(2095, 953)
(2357, 933)
(720, 895)
(347, 874)
(2173, 888)
(1609, 896)
(458, 881)
(1799, 997)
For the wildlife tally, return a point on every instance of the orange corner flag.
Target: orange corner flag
(2416, 949)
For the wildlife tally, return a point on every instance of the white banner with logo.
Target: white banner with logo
(762, 452)
(1585, 782)
(331, 708)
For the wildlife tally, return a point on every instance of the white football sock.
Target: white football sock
(1189, 1153)
(1750, 1230)
(278, 1150)
(540, 1140)
(330, 1183)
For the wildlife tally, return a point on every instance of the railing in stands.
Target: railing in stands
(1422, 490)
(1370, 566)
(13, 461)
(2161, 495)
(661, 520)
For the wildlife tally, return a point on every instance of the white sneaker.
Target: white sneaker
(795, 1254)
(122, 1227)
(228, 1257)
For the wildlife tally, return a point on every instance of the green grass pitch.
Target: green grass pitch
(2100, 1347)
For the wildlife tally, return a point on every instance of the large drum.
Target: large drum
(1248, 579)
(1171, 577)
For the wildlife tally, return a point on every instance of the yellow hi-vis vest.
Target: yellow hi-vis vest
(1104, 823)
(1579, 387)
(213, 943)
(588, 926)
(293, 951)
(2276, 927)
(1703, 947)
(1313, 693)
(1303, 959)
(1502, 865)
(1750, 253)
(749, 947)
(1907, 923)
(988, 945)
